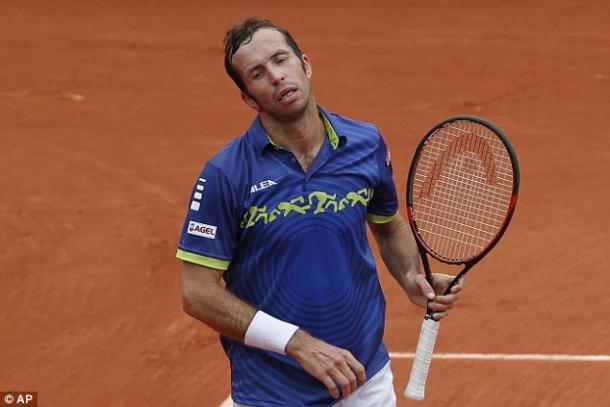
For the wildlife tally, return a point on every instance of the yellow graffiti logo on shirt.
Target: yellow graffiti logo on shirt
(316, 202)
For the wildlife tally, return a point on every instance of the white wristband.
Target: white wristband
(269, 333)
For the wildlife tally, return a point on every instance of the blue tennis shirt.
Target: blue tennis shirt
(294, 244)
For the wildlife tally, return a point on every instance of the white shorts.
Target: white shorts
(378, 391)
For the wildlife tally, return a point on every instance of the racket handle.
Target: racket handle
(421, 361)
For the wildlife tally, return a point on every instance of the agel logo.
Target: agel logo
(201, 230)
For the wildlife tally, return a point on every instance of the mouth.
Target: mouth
(286, 93)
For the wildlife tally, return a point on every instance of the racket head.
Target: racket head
(462, 189)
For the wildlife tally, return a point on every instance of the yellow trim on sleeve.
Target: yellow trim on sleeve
(202, 260)
(371, 217)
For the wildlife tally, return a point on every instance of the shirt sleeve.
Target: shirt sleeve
(384, 204)
(210, 229)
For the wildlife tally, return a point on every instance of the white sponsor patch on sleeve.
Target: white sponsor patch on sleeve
(201, 230)
(195, 205)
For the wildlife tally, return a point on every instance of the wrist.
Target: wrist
(296, 343)
(269, 333)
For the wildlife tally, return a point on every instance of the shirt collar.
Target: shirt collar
(262, 141)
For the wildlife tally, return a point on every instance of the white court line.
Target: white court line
(504, 356)
(490, 356)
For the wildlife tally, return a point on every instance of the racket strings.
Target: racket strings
(462, 189)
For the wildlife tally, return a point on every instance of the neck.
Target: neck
(303, 135)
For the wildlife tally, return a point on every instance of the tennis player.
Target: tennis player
(280, 215)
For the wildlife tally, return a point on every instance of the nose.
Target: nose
(276, 75)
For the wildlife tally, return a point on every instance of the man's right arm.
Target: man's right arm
(205, 299)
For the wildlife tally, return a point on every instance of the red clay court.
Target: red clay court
(108, 110)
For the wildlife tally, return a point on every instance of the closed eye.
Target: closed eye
(281, 57)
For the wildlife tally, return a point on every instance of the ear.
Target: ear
(307, 65)
(250, 102)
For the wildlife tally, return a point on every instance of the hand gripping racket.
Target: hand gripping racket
(461, 194)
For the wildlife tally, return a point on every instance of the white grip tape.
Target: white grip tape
(421, 361)
(269, 333)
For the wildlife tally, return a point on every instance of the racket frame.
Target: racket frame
(423, 247)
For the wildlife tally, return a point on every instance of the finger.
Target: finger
(437, 306)
(425, 287)
(344, 384)
(357, 368)
(351, 378)
(341, 377)
(337, 374)
(447, 299)
(457, 287)
(330, 385)
(437, 316)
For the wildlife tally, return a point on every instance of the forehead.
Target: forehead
(262, 46)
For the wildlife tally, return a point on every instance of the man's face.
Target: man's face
(278, 81)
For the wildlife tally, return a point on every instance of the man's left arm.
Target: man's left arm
(399, 252)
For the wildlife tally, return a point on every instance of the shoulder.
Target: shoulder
(238, 155)
(231, 162)
(225, 157)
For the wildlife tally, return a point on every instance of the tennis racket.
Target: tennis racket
(461, 194)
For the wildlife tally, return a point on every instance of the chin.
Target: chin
(294, 111)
